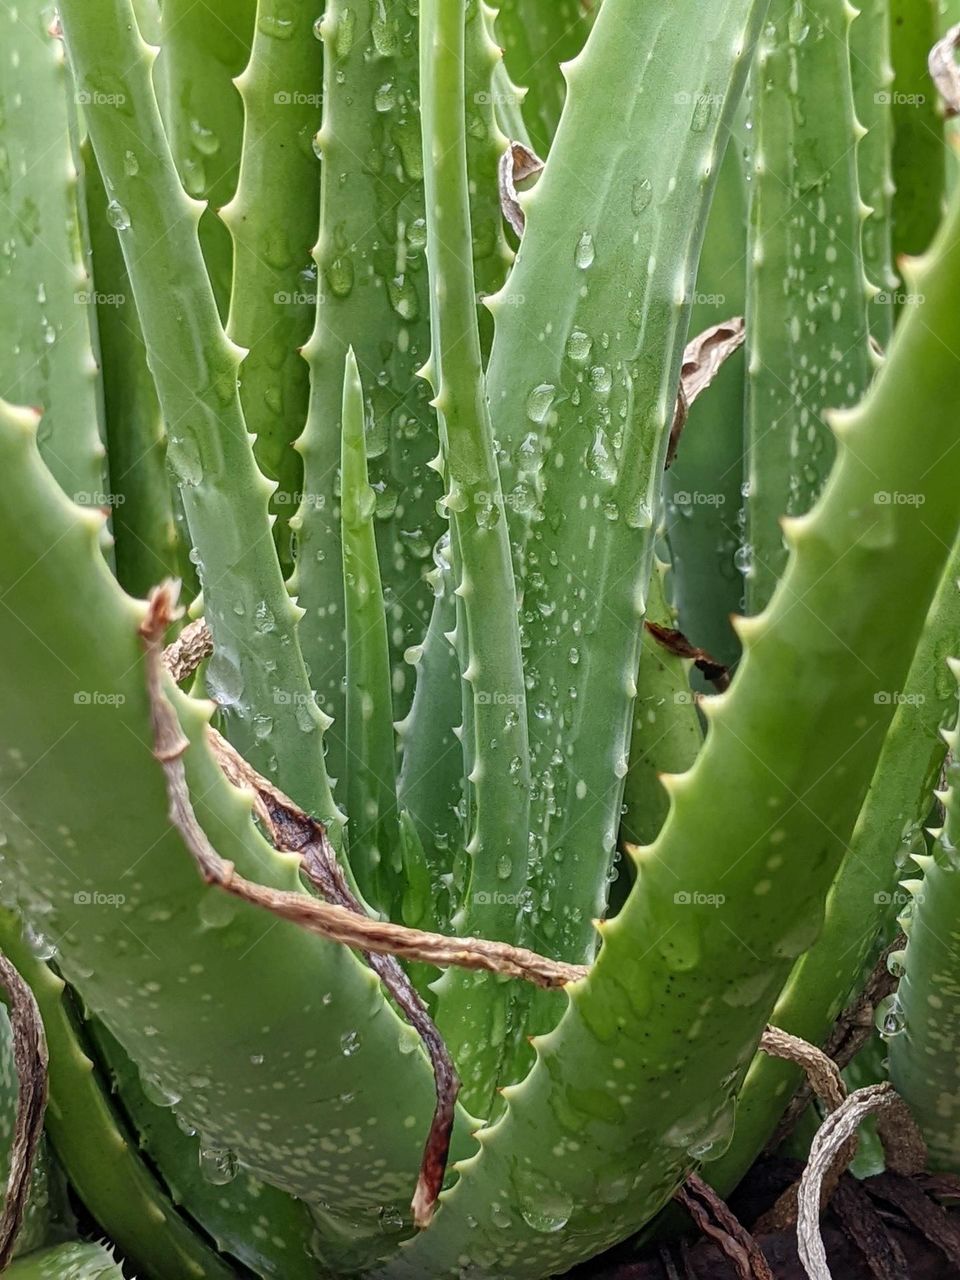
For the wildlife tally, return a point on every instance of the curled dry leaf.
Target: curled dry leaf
(702, 359)
(516, 163)
(30, 1061)
(945, 72)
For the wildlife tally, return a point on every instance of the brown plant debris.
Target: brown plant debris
(944, 71)
(676, 642)
(715, 1220)
(30, 1062)
(929, 1218)
(702, 359)
(863, 1225)
(516, 163)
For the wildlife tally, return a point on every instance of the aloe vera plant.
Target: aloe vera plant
(432, 925)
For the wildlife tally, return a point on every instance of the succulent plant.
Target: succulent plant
(420, 910)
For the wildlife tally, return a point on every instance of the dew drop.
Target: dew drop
(584, 252)
(117, 216)
(218, 1165)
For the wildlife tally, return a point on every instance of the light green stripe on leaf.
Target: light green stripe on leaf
(48, 355)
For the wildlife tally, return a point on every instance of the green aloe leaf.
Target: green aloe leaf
(273, 222)
(538, 36)
(371, 792)
(919, 1021)
(102, 1163)
(147, 546)
(603, 278)
(807, 334)
(202, 49)
(666, 727)
(472, 1013)
(49, 353)
(704, 485)
(886, 834)
(872, 76)
(918, 153)
(74, 1261)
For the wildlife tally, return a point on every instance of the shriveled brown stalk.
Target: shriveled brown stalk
(714, 1218)
(341, 917)
(861, 1222)
(929, 1218)
(30, 1061)
(331, 921)
(824, 1079)
(192, 645)
(831, 1140)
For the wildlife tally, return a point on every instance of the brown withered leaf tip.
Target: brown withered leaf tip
(676, 642)
(702, 358)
